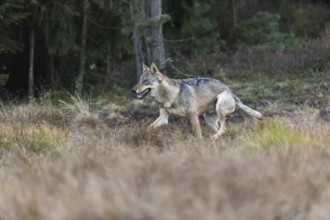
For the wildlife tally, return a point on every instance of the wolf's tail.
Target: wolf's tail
(247, 109)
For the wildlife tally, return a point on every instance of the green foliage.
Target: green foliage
(54, 95)
(199, 27)
(10, 14)
(118, 93)
(264, 29)
(193, 28)
(110, 30)
(56, 20)
(265, 88)
(109, 35)
(161, 20)
(308, 19)
(3, 79)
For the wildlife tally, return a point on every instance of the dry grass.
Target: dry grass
(125, 172)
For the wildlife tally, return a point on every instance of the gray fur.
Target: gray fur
(190, 98)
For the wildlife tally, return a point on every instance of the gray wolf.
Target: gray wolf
(190, 98)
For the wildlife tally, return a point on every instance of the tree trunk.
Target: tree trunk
(51, 69)
(137, 16)
(31, 63)
(138, 49)
(147, 33)
(234, 7)
(81, 73)
(157, 44)
(108, 65)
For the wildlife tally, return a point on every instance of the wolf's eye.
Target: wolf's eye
(145, 81)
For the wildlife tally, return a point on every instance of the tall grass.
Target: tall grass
(271, 134)
(80, 110)
(127, 172)
(40, 139)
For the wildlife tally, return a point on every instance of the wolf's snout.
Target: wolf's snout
(134, 89)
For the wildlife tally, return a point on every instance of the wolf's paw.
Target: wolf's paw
(215, 137)
(158, 123)
(151, 126)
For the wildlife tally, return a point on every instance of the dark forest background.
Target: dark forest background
(87, 45)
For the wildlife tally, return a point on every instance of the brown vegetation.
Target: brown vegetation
(273, 169)
(303, 60)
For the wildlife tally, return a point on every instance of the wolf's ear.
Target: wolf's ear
(156, 72)
(154, 68)
(145, 67)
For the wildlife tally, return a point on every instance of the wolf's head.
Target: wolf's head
(149, 80)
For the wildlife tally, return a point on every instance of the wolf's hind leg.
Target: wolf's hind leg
(225, 104)
(161, 120)
(212, 121)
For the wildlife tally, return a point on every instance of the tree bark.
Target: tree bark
(81, 73)
(234, 7)
(147, 33)
(157, 44)
(31, 63)
(51, 69)
(137, 16)
(108, 65)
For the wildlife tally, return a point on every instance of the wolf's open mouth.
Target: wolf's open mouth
(143, 94)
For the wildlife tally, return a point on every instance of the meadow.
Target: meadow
(67, 157)
(68, 162)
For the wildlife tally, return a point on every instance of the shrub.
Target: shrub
(307, 59)
(79, 109)
(263, 28)
(269, 134)
(41, 139)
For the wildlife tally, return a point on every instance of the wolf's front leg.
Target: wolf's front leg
(161, 120)
(196, 126)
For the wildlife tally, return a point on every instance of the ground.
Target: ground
(67, 162)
